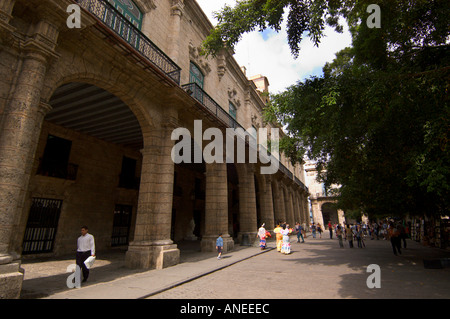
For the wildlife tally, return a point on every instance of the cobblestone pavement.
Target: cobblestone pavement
(320, 269)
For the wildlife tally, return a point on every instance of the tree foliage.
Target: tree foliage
(378, 118)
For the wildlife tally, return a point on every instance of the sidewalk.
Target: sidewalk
(109, 279)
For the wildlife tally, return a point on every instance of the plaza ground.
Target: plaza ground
(315, 269)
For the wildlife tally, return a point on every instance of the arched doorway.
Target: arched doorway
(188, 208)
(329, 214)
(233, 201)
(86, 172)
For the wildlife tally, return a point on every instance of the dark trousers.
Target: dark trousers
(81, 257)
(403, 238)
(396, 243)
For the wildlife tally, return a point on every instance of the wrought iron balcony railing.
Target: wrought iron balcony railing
(121, 26)
(194, 90)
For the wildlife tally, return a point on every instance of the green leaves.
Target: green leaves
(378, 120)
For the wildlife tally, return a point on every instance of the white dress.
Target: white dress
(286, 246)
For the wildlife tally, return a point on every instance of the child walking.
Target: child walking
(219, 246)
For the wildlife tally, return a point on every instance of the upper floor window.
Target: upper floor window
(128, 177)
(129, 10)
(232, 110)
(195, 75)
(55, 161)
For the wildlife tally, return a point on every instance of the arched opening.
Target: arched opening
(86, 172)
(233, 201)
(329, 214)
(188, 207)
(258, 202)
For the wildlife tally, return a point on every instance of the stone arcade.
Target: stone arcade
(86, 116)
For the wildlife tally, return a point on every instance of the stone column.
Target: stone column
(19, 133)
(247, 203)
(283, 205)
(266, 201)
(216, 208)
(174, 33)
(306, 208)
(275, 201)
(291, 215)
(280, 212)
(298, 209)
(152, 246)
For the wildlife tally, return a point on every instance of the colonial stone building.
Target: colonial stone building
(86, 121)
(322, 200)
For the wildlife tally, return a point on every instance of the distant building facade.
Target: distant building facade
(322, 201)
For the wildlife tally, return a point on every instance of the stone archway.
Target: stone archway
(97, 180)
(329, 213)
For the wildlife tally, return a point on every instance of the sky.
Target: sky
(268, 53)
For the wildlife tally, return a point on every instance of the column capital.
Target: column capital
(42, 42)
(177, 8)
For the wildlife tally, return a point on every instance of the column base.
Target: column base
(11, 278)
(152, 255)
(247, 238)
(208, 243)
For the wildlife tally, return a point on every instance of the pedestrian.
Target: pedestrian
(359, 235)
(394, 235)
(330, 228)
(349, 234)
(313, 230)
(319, 229)
(286, 247)
(262, 236)
(299, 229)
(85, 249)
(279, 237)
(377, 230)
(339, 236)
(385, 231)
(403, 234)
(219, 246)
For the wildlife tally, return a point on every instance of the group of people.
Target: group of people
(282, 232)
(316, 229)
(393, 231)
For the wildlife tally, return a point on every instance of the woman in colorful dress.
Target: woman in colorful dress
(262, 236)
(279, 237)
(286, 246)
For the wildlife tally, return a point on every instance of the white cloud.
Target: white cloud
(272, 57)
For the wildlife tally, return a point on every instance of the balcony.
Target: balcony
(132, 37)
(212, 109)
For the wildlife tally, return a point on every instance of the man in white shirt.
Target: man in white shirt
(85, 248)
